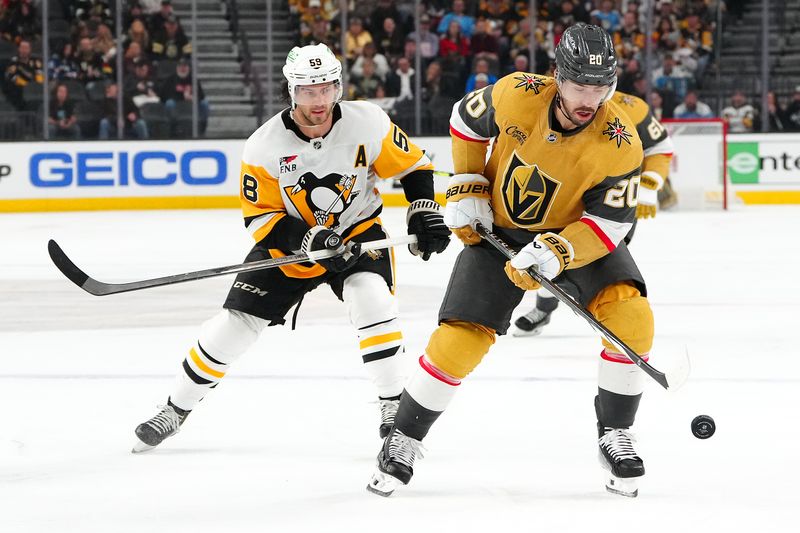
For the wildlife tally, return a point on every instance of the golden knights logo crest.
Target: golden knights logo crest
(527, 193)
(529, 82)
(321, 201)
(616, 132)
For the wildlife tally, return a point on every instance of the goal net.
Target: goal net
(699, 168)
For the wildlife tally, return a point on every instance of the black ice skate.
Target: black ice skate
(532, 323)
(395, 463)
(165, 424)
(620, 459)
(388, 412)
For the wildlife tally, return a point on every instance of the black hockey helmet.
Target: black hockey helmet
(586, 55)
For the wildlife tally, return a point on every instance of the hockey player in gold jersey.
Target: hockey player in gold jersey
(658, 150)
(308, 183)
(560, 186)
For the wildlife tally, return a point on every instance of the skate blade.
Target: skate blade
(141, 447)
(383, 484)
(522, 333)
(622, 486)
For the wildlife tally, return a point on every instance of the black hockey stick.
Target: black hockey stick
(99, 288)
(672, 382)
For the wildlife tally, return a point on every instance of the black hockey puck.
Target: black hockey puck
(703, 426)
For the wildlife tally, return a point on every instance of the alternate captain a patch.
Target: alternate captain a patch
(527, 193)
(321, 201)
(616, 132)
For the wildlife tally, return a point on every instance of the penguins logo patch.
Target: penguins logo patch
(321, 201)
(528, 193)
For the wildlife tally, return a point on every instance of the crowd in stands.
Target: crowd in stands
(82, 68)
(466, 45)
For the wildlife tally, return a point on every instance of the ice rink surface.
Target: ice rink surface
(287, 442)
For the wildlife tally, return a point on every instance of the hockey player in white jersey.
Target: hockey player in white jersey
(308, 179)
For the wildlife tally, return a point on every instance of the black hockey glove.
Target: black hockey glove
(425, 220)
(321, 238)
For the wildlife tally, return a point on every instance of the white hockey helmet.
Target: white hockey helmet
(312, 65)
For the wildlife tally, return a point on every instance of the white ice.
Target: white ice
(287, 442)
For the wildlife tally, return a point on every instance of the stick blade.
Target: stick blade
(679, 374)
(68, 268)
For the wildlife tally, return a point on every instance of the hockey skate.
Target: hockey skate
(165, 424)
(388, 412)
(617, 455)
(395, 463)
(532, 323)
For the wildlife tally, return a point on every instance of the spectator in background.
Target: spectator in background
(656, 103)
(500, 14)
(671, 76)
(699, 42)
(481, 81)
(608, 17)
(62, 122)
(104, 44)
(141, 87)
(666, 35)
(667, 11)
(640, 87)
(521, 40)
(134, 12)
(484, 44)
(91, 66)
(137, 32)
(320, 33)
(370, 53)
(520, 64)
(389, 39)
(19, 22)
(178, 88)
(22, 70)
(777, 118)
(436, 85)
(740, 115)
(692, 107)
(481, 67)
(385, 9)
(158, 20)
(629, 39)
(96, 11)
(793, 111)
(428, 41)
(400, 83)
(134, 124)
(454, 43)
(366, 85)
(171, 42)
(630, 72)
(355, 39)
(465, 22)
(313, 12)
(62, 65)
(132, 54)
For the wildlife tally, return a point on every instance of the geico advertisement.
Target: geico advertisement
(119, 169)
(764, 159)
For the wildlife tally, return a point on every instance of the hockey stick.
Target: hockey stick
(99, 288)
(672, 382)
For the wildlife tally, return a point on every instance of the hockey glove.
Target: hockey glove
(468, 198)
(647, 204)
(425, 221)
(321, 238)
(548, 253)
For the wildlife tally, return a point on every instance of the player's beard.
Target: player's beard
(578, 116)
(313, 116)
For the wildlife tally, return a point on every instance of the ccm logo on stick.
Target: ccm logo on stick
(107, 169)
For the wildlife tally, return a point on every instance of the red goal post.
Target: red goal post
(699, 168)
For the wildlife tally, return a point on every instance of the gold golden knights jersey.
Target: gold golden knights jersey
(328, 181)
(583, 183)
(656, 143)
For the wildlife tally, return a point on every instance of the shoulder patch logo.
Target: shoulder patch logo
(529, 82)
(616, 132)
(528, 193)
(627, 100)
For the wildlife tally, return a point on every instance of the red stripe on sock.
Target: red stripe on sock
(600, 233)
(436, 373)
(619, 357)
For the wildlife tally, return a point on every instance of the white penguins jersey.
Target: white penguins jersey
(328, 181)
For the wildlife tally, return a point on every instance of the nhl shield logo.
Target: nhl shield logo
(528, 193)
